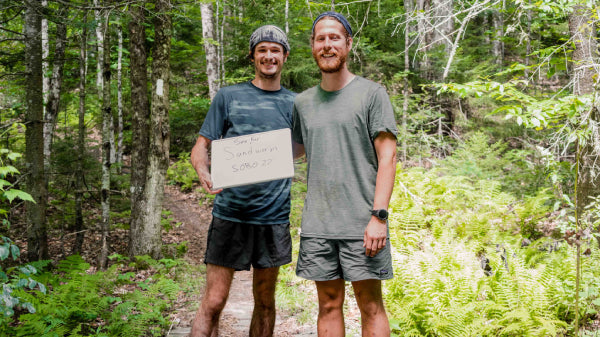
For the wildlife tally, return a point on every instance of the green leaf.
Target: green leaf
(4, 251)
(14, 156)
(14, 193)
(6, 170)
(15, 251)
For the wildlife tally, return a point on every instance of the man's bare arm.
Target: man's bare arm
(201, 163)
(376, 231)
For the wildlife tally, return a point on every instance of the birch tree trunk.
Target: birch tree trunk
(210, 49)
(107, 130)
(583, 34)
(408, 5)
(37, 239)
(497, 43)
(53, 98)
(140, 124)
(45, 54)
(99, 47)
(79, 173)
(148, 239)
(119, 148)
(443, 21)
(100, 35)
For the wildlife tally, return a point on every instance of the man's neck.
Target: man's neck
(268, 84)
(336, 81)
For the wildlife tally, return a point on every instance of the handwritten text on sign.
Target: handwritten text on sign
(252, 158)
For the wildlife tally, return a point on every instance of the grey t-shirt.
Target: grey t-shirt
(337, 130)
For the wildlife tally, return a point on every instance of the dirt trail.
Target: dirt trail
(236, 316)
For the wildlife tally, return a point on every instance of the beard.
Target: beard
(330, 65)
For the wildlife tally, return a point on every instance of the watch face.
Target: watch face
(380, 213)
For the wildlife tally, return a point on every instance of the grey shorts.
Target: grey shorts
(239, 245)
(330, 259)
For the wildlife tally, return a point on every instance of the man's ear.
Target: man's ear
(285, 57)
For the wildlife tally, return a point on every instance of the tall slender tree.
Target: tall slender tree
(37, 237)
(107, 132)
(210, 49)
(54, 90)
(79, 172)
(584, 77)
(140, 123)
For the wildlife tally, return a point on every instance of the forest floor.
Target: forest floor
(235, 320)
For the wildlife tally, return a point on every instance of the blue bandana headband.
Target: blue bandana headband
(342, 19)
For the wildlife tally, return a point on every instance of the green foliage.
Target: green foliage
(182, 173)
(117, 299)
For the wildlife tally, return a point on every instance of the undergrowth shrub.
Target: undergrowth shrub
(461, 268)
(115, 302)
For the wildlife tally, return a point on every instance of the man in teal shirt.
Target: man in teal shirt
(250, 225)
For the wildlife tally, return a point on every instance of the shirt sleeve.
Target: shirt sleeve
(296, 126)
(381, 114)
(214, 123)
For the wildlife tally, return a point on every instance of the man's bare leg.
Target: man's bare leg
(331, 308)
(263, 288)
(372, 312)
(218, 282)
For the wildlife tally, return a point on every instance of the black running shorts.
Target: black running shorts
(240, 245)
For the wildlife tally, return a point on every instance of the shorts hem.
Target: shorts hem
(281, 264)
(226, 265)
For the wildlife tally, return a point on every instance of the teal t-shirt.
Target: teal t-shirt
(337, 129)
(240, 110)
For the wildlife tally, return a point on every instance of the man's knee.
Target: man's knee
(214, 303)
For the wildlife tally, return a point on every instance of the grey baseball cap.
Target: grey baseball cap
(269, 33)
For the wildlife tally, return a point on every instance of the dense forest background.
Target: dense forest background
(495, 213)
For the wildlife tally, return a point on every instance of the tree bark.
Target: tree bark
(107, 130)
(140, 123)
(497, 43)
(408, 6)
(210, 49)
(148, 239)
(53, 98)
(37, 240)
(583, 34)
(443, 12)
(79, 173)
(119, 148)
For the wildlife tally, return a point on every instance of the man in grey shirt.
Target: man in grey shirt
(347, 129)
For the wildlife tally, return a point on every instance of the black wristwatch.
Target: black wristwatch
(381, 214)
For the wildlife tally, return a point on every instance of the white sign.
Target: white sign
(253, 158)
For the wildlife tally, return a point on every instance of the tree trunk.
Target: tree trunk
(408, 6)
(210, 49)
(119, 149)
(584, 37)
(443, 13)
(37, 240)
(140, 124)
(107, 130)
(148, 239)
(79, 173)
(45, 54)
(424, 36)
(497, 43)
(99, 47)
(53, 97)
